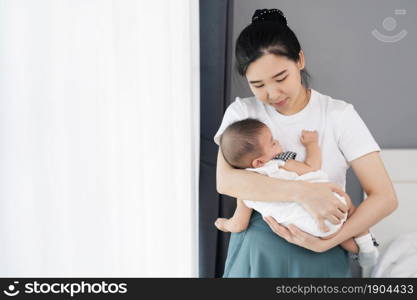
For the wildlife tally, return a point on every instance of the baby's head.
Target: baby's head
(248, 144)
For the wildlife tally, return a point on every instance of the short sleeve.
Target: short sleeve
(354, 139)
(270, 168)
(235, 112)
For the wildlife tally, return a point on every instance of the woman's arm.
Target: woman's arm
(244, 184)
(381, 198)
(317, 198)
(381, 201)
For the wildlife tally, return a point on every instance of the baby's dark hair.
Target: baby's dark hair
(239, 143)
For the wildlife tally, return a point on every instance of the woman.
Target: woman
(269, 55)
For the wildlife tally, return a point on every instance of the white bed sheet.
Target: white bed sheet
(397, 233)
(399, 259)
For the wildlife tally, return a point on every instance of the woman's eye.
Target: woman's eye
(258, 86)
(280, 80)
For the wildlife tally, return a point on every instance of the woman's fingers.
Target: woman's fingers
(336, 217)
(295, 230)
(277, 228)
(294, 235)
(351, 210)
(334, 220)
(340, 214)
(340, 205)
(323, 204)
(341, 209)
(298, 234)
(322, 225)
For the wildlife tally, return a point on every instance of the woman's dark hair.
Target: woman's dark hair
(268, 33)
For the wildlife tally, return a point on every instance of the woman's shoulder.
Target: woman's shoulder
(245, 106)
(334, 108)
(241, 108)
(245, 101)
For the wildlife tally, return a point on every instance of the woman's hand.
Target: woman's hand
(318, 199)
(294, 235)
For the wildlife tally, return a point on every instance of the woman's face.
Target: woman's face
(276, 81)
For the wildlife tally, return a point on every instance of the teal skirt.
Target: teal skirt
(259, 252)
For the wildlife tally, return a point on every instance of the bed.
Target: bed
(397, 233)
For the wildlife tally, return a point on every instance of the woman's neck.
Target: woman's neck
(301, 102)
(305, 98)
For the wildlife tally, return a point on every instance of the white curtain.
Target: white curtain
(99, 138)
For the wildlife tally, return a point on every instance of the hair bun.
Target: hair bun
(274, 15)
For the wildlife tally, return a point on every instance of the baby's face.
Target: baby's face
(270, 146)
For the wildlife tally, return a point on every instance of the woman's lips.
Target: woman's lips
(281, 103)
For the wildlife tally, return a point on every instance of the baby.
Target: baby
(249, 144)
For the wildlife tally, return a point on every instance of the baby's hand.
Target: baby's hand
(309, 137)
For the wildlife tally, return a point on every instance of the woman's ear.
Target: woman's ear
(301, 60)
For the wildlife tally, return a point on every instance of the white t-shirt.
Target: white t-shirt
(343, 136)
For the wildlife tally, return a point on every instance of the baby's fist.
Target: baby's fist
(309, 137)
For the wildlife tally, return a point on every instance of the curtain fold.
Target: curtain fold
(99, 126)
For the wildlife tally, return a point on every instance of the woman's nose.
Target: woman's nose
(273, 94)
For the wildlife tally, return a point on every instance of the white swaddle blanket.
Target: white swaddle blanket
(290, 212)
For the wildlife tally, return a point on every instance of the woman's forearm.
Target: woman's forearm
(244, 184)
(368, 213)
(381, 200)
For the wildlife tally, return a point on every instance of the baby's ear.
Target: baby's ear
(257, 163)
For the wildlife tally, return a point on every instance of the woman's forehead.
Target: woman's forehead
(267, 67)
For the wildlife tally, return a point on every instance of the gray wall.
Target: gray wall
(347, 62)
